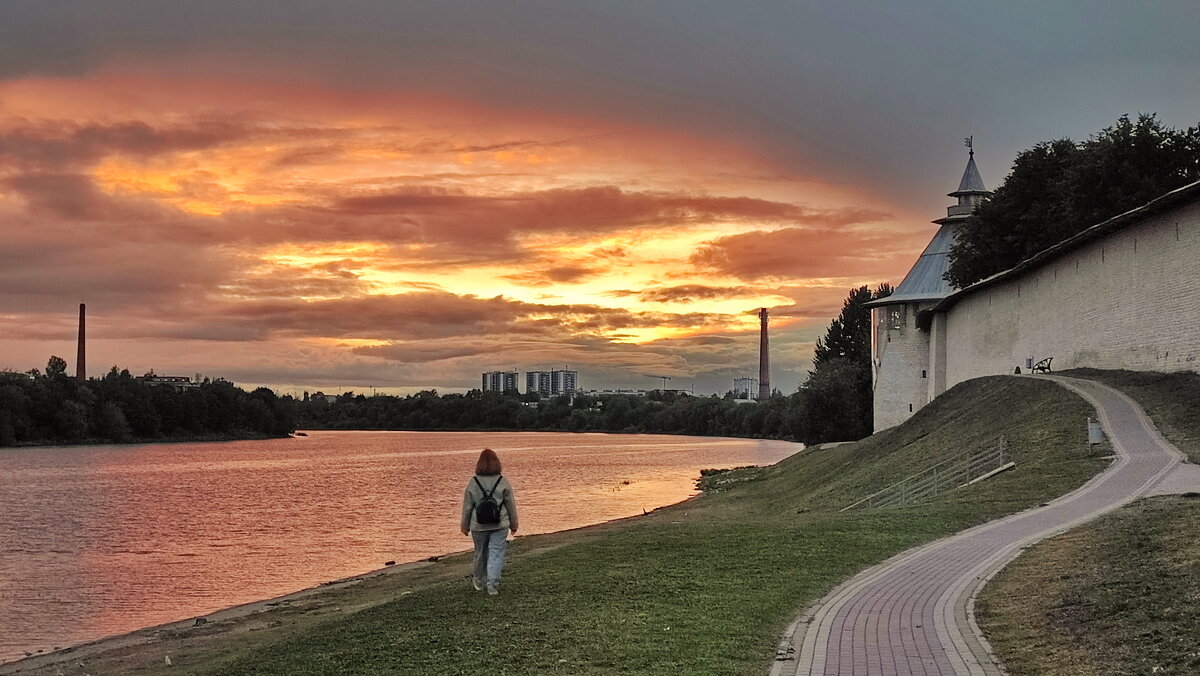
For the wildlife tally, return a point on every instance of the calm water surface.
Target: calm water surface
(101, 540)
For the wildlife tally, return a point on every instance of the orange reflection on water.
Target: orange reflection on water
(103, 540)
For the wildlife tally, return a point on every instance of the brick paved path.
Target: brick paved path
(913, 614)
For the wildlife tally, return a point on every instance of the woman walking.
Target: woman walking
(489, 512)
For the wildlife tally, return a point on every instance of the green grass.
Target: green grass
(1119, 595)
(703, 587)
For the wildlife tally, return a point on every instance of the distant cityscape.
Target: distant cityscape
(546, 383)
(556, 382)
(745, 387)
(566, 382)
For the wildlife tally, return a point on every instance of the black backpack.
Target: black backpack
(487, 512)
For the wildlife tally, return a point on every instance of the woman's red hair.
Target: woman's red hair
(489, 463)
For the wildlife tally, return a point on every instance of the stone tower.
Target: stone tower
(905, 372)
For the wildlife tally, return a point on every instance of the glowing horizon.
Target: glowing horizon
(417, 240)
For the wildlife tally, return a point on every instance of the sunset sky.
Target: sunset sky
(401, 195)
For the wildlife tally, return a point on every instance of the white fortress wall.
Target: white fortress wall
(1129, 300)
(901, 385)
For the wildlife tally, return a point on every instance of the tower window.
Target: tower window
(895, 317)
(923, 373)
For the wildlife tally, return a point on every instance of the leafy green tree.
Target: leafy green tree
(70, 421)
(1060, 188)
(837, 401)
(849, 335)
(111, 424)
(56, 367)
(119, 408)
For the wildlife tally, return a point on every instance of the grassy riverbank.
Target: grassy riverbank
(703, 587)
(1118, 595)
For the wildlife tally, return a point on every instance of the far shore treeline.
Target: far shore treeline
(54, 408)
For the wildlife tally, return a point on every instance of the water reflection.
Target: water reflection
(106, 539)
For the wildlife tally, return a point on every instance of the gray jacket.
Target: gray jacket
(502, 495)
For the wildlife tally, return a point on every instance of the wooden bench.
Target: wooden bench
(1042, 366)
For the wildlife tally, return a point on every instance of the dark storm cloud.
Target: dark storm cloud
(68, 196)
(55, 145)
(49, 267)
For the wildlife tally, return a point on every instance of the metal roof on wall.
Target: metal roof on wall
(926, 280)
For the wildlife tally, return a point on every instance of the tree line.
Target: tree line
(780, 417)
(1059, 188)
(54, 408)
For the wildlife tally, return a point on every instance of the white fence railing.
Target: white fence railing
(947, 475)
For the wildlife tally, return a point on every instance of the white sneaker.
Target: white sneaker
(477, 584)
(492, 591)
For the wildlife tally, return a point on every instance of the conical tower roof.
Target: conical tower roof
(926, 281)
(971, 182)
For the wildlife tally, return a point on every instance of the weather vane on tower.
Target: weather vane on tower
(969, 142)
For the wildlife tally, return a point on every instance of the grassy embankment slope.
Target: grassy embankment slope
(1120, 595)
(702, 587)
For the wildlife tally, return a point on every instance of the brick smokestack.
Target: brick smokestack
(81, 353)
(764, 357)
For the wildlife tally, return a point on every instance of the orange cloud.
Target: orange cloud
(354, 228)
(807, 253)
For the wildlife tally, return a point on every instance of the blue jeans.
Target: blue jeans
(489, 555)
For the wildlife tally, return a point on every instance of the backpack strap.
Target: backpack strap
(494, 487)
(486, 492)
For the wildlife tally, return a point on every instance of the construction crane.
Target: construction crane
(664, 379)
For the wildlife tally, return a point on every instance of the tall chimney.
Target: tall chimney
(764, 358)
(81, 353)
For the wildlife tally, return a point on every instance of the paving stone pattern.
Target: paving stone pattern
(913, 614)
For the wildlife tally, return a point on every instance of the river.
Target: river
(102, 540)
